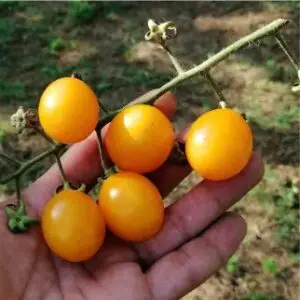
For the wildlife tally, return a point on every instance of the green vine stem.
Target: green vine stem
(28, 164)
(271, 29)
(18, 189)
(215, 86)
(101, 150)
(10, 159)
(283, 45)
(149, 98)
(103, 107)
(174, 61)
(60, 167)
(44, 135)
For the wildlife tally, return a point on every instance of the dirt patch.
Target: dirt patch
(238, 24)
(258, 246)
(81, 50)
(150, 54)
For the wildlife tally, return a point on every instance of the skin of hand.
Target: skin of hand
(197, 238)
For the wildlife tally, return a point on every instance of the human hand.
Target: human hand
(195, 241)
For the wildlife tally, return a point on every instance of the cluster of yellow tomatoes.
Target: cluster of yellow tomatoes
(138, 141)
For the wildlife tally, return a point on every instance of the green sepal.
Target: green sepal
(21, 209)
(29, 221)
(13, 225)
(10, 212)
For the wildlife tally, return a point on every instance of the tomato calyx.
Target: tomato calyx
(68, 186)
(178, 155)
(109, 172)
(76, 75)
(18, 220)
(223, 104)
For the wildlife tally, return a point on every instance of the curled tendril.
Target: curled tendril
(160, 33)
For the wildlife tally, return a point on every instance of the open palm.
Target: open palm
(196, 240)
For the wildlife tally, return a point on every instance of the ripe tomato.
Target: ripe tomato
(139, 139)
(73, 225)
(68, 110)
(132, 206)
(219, 144)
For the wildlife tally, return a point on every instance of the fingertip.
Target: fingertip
(238, 222)
(167, 104)
(255, 168)
(183, 134)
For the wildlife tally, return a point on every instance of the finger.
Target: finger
(81, 163)
(199, 208)
(169, 175)
(179, 272)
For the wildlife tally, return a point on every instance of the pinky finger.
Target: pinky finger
(179, 272)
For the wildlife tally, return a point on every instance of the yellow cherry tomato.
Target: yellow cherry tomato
(140, 139)
(132, 206)
(68, 110)
(219, 144)
(73, 225)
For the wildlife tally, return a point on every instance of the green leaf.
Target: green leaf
(269, 265)
(232, 264)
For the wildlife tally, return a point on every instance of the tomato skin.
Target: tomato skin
(132, 206)
(139, 139)
(68, 110)
(219, 144)
(73, 225)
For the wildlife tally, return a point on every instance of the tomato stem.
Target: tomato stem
(10, 159)
(76, 75)
(283, 45)
(60, 167)
(43, 134)
(178, 154)
(212, 61)
(29, 163)
(103, 107)
(296, 88)
(215, 86)
(102, 154)
(174, 60)
(18, 188)
(223, 104)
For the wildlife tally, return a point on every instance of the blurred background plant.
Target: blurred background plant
(103, 41)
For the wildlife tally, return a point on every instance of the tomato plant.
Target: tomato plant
(68, 110)
(132, 206)
(140, 139)
(219, 144)
(73, 225)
